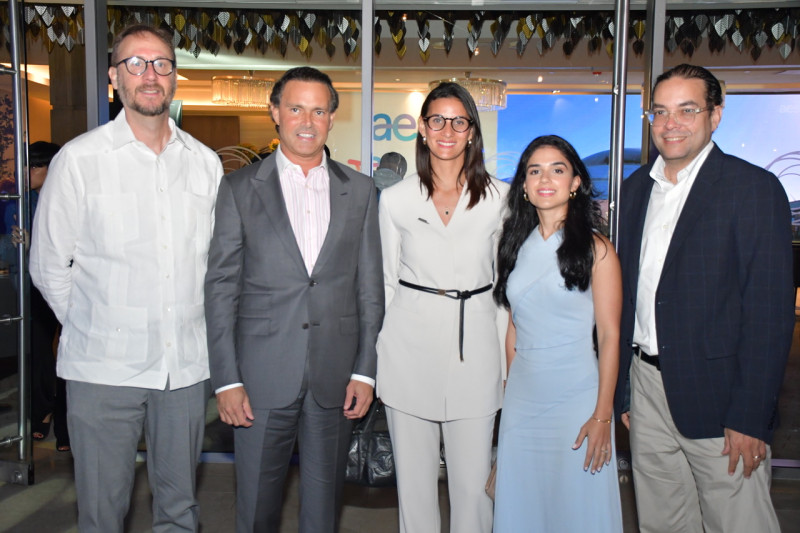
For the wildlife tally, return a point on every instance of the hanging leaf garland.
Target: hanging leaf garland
(199, 30)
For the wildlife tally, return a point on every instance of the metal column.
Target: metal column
(20, 470)
(617, 153)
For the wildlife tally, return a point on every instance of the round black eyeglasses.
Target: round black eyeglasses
(137, 65)
(438, 122)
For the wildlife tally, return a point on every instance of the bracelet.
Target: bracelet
(608, 421)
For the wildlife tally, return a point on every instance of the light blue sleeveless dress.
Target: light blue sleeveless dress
(551, 392)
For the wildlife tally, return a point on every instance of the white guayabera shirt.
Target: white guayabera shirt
(120, 249)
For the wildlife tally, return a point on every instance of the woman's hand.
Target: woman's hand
(598, 450)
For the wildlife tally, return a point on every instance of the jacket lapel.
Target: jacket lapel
(696, 203)
(267, 187)
(340, 199)
(639, 201)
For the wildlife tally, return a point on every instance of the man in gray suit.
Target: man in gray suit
(294, 302)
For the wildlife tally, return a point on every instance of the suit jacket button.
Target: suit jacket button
(305, 326)
(313, 283)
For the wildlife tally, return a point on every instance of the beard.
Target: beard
(128, 97)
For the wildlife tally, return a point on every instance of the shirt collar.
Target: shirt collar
(658, 175)
(123, 134)
(283, 163)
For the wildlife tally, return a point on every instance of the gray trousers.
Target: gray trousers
(263, 452)
(105, 424)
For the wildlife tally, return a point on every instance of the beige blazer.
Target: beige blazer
(419, 368)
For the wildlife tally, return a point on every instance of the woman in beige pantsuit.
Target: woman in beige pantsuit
(440, 349)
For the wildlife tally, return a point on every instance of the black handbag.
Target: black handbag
(370, 460)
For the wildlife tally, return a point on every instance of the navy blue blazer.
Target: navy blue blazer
(725, 300)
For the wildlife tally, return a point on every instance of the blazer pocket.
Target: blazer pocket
(718, 346)
(348, 325)
(252, 325)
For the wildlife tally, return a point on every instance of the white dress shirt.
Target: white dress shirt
(120, 248)
(663, 210)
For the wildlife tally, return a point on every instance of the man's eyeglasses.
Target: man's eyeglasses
(683, 116)
(137, 65)
(438, 122)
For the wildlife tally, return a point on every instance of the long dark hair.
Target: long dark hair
(576, 252)
(477, 179)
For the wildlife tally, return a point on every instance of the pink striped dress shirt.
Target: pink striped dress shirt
(308, 203)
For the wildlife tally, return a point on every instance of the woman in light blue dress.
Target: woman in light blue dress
(559, 277)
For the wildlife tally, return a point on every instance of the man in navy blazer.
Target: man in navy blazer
(707, 319)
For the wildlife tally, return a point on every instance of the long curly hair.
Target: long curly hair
(478, 179)
(576, 252)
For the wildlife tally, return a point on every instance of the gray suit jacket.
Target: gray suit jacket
(266, 316)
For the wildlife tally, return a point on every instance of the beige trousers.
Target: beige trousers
(468, 450)
(682, 485)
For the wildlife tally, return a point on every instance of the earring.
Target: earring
(525, 196)
(424, 140)
(469, 142)
(572, 195)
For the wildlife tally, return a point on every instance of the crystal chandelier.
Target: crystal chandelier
(489, 95)
(241, 91)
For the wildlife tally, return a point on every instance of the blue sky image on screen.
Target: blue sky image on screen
(763, 129)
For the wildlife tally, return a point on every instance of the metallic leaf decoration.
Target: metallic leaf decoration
(41, 10)
(424, 44)
(755, 53)
(611, 29)
(397, 37)
(550, 39)
(48, 17)
(720, 26)
(522, 43)
(310, 19)
(343, 25)
(761, 39)
(224, 17)
(30, 13)
(701, 22)
(784, 50)
(678, 21)
(180, 22)
(525, 29)
(737, 39)
(51, 34)
(574, 21)
(472, 43)
(638, 29)
(777, 31)
(530, 24)
(672, 44)
(68, 11)
(69, 43)
(545, 25)
(540, 46)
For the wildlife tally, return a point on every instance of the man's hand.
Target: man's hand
(750, 448)
(357, 398)
(234, 407)
(626, 419)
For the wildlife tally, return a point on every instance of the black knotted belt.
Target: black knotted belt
(453, 294)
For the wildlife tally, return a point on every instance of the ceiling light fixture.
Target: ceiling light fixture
(241, 91)
(489, 95)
